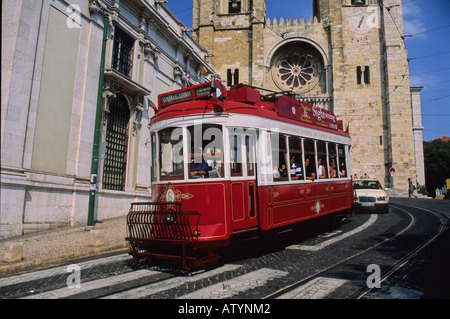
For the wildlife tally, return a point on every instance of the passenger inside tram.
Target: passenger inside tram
(296, 169)
(309, 169)
(342, 170)
(276, 172)
(332, 170)
(342, 165)
(322, 172)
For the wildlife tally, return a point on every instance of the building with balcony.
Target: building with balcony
(78, 81)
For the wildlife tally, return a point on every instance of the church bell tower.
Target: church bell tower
(349, 58)
(232, 30)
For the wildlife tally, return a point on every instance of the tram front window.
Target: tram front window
(171, 153)
(206, 151)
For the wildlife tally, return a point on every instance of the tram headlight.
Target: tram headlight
(170, 219)
(196, 233)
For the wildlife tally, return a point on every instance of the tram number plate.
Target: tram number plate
(367, 204)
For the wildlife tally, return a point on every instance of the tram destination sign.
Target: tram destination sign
(303, 112)
(166, 100)
(191, 93)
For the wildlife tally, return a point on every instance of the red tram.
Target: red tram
(236, 164)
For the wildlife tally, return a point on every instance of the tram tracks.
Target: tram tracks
(360, 293)
(407, 258)
(235, 279)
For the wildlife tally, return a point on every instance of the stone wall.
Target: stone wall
(365, 81)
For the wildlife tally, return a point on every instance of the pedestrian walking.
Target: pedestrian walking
(411, 188)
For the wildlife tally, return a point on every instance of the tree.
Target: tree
(437, 164)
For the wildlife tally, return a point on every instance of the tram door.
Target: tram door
(244, 208)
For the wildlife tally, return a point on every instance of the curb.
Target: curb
(30, 264)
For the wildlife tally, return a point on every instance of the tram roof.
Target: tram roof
(247, 100)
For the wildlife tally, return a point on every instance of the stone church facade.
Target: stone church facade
(350, 58)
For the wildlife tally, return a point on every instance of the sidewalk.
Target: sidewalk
(63, 244)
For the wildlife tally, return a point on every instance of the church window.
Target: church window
(298, 67)
(366, 75)
(234, 6)
(232, 77)
(116, 145)
(358, 75)
(296, 71)
(229, 78)
(362, 76)
(236, 76)
(358, 2)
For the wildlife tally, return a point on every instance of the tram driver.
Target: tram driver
(199, 168)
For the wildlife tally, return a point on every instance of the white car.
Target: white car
(370, 196)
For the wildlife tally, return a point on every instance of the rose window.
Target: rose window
(296, 72)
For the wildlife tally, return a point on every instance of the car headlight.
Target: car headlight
(383, 198)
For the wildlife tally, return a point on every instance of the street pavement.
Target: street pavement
(68, 243)
(63, 244)
(278, 268)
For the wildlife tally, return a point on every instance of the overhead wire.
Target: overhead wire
(404, 75)
(402, 37)
(374, 42)
(431, 30)
(436, 99)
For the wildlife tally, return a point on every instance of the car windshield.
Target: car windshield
(367, 185)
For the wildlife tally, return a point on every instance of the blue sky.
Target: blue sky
(428, 50)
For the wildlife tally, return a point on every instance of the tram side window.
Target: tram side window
(295, 154)
(342, 161)
(332, 160)
(250, 155)
(242, 152)
(279, 157)
(171, 153)
(235, 154)
(322, 160)
(310, 164)
(206, 151)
